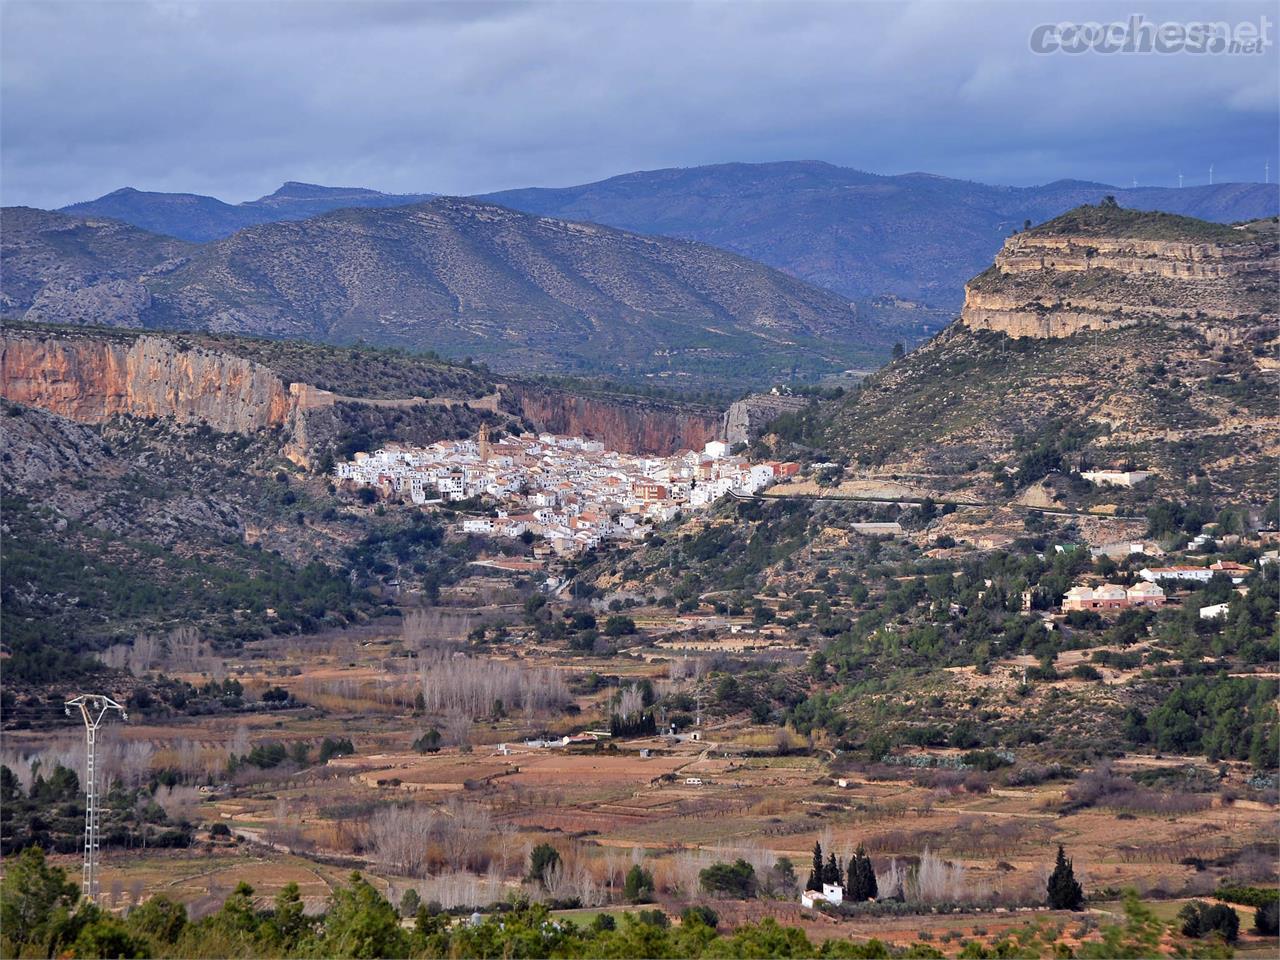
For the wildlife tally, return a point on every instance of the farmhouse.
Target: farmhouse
(830, 893)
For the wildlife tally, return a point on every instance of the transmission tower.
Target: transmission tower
(94, 708)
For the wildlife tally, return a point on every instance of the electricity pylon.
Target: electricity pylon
(94, 708)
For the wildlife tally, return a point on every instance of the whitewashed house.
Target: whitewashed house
(830, 893)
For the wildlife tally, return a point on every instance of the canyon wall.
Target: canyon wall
(1051, 285)
(634, 425)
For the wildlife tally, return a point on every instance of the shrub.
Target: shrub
(1199, 918)
(1266, 920)
(700, 914)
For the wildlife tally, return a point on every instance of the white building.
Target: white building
(1116, 478)
(830, 893)
(1193, 574)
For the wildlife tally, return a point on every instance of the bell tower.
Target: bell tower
(483, 442)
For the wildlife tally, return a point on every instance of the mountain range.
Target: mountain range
(459, 276)
(191, 216)
(915, 236)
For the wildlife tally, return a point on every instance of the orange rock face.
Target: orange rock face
(642, 426)
(92, 380)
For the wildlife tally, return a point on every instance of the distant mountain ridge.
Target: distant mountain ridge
(916, 235)
(460, 276)
(199, 219)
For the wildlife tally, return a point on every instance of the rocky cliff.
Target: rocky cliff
(631, 424)
(93, 376)
(1103, 268)
(91, 380)
(746, 419)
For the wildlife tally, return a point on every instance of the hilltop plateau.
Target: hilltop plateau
(1102, 337)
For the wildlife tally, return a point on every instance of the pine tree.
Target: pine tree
(1065, 892)
(815, 874)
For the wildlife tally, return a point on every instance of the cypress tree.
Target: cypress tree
(832, 873)
(862, 878)
(1065, 892)
(815, 873)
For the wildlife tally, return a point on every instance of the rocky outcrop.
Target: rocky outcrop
(1047, 283)
(92, 379)
(1176, 260)
(746, 419)
(633, 425)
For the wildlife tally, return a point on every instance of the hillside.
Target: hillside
(471, 279)
(197, 218)
(1086, 342)
(916, 236)
(83, 269)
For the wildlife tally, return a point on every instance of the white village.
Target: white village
(570, 491)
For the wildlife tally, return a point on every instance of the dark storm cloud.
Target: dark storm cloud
(231, 99)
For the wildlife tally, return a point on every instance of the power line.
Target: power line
(94, 708)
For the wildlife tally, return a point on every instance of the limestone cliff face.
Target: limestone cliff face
(1048, 285)
(633, 425)
(745, 419)
(91, 380)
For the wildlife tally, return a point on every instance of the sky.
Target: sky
(233, 98)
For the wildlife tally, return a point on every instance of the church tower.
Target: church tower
(483, 442)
